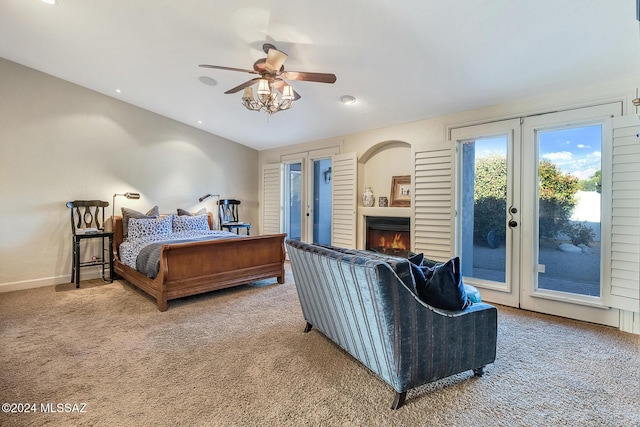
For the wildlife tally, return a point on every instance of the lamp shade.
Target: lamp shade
(263, 87)
(287, 92)
(248, 94)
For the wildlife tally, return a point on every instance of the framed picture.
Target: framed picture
(401, 191)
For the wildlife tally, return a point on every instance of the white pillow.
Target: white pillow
(190, 223)
(144, 227)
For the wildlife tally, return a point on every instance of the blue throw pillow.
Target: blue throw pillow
(443, 287)
(416, 258)
(472, 293)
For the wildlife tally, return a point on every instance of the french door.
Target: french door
(531, 194)
(567, 217)
(488, 200)
(308, 199)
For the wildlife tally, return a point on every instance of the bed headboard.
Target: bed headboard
(118, 234)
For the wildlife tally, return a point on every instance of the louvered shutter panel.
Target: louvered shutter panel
(434, 203)
(344, 179)
(625, 215)
(272, 199)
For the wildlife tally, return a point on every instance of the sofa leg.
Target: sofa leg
(398, 401)
(308, 327)
(478, 372)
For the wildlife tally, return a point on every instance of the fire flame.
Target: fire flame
(397, 242)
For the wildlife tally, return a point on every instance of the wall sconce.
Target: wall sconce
(206, 196)
(327, 175)
(134, 196)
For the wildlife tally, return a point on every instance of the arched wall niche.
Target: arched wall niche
(382, 146)
(380, 163)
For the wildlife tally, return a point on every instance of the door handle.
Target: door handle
(513, 223)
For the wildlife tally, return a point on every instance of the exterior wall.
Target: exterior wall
(61, 142)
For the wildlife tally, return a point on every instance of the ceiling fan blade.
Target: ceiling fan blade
(279, 84)
(219, 67)
(243, 85)
(275, 60)
(309, 77)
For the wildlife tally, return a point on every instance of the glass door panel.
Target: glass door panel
(322, 201)
(569, 207)
(484, 208)
(293, 198)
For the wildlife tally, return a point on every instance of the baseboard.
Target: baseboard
(630, 322)
(87, 274)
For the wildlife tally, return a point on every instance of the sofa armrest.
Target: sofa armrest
(431, 343)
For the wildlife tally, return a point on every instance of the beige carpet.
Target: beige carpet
(239, 357)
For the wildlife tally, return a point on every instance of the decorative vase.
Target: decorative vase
(367, 197)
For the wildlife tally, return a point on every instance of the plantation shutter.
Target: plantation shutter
(625, 215)
(272, 198)
(434, 203)
(344, 178)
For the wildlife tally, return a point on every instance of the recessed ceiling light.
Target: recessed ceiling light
(118, 91)
(347, 99)
(199, 122)
(50, 1)
(207, 80)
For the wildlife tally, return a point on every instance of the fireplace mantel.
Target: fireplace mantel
(388, 211)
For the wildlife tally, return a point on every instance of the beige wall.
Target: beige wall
(421, 134)
(61, 142)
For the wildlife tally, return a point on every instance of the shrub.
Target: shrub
(490, 213)
(579, 233)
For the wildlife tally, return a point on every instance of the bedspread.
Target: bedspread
(144, 254)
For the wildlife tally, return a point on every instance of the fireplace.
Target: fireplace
(388, 235)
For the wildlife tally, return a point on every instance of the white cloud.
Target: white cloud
(560, 155)
(584, 173)
(582, 146)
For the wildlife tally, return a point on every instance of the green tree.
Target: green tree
(593, 183)
(557, 199)
(490, 195)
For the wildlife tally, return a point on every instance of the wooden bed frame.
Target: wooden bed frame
(197, 267)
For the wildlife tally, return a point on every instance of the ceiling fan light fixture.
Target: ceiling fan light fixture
(267, 99)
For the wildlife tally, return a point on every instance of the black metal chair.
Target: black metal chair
(87, 222)
(228, 216)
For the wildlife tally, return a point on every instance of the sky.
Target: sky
(577, 150)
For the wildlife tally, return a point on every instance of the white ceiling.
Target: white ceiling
(404, 60)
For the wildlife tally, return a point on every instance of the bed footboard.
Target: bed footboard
(197, 267)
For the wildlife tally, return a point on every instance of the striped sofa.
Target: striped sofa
(364, 302)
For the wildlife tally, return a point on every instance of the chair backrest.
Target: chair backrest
(228, 211)
(87, 214)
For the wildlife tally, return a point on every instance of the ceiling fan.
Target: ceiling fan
(272, 75)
